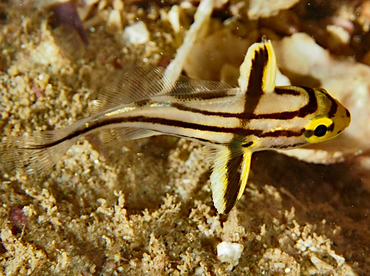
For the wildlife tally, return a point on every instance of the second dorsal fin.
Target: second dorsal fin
(143, 83)
(130, 86)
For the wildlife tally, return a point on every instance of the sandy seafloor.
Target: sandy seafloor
(145, 207)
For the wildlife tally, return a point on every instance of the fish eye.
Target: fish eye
(320, 130)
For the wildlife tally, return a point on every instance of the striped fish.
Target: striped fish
(233, 122)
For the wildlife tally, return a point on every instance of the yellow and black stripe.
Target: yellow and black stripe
(235, 121)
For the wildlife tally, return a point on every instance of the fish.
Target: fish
(232, 122)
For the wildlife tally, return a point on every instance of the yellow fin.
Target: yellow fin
(229, 177)
(258, 68)
(247, 156)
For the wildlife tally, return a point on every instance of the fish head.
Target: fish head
(330, 119)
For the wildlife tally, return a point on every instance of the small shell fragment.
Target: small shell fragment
(136, 33)
(228, 252)
(114, 22)
(258, 9)
(174, 18)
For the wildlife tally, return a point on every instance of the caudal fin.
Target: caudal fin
(33, 153)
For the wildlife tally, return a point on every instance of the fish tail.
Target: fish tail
(35, 152)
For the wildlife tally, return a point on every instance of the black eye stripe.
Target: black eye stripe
(331, 127)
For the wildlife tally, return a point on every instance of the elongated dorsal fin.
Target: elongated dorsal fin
(128, 86)
(143, 83)
(229, 177)
(258, 70)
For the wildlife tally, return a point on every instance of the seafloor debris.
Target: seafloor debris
(136, 34)
(257, 9)
(66, 13)
(228, 252)
(145, 207)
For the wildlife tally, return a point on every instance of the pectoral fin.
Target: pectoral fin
(229, 177)
(115, 136)
(258, 70)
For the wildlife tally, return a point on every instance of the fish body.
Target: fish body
(233, 122)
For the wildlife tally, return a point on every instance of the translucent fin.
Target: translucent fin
(144, 83)
(130, 86)
(185, 85)
(36, 152)
(117, 135)
(229, 177)
(258, 69)
(246, 165)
